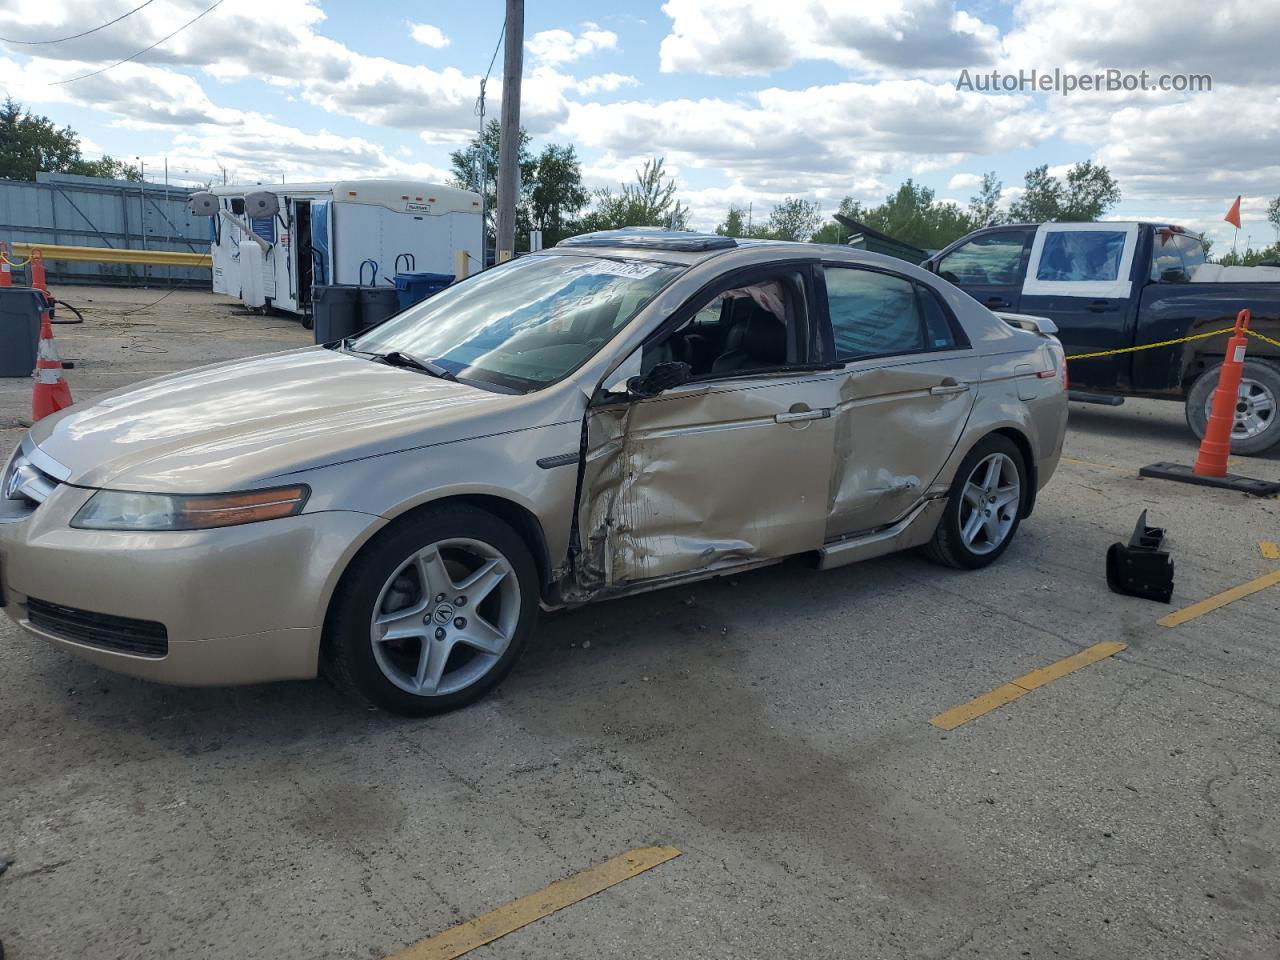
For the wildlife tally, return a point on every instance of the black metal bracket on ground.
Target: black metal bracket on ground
(1140, 568)
(1102, 399)
(1184, 474)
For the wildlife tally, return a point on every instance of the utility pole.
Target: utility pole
(509, 146)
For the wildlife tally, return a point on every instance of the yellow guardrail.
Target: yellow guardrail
(157, 258)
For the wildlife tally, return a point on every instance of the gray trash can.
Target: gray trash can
(335, 310)
(20, 330)
(376, 304)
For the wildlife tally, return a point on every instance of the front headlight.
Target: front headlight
(124, 510)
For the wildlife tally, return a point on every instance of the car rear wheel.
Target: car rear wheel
(1257, 415)
(434, 613)
(984, 506)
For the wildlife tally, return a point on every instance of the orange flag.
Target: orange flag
(1233, 215)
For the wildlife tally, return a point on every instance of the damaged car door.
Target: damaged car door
(908, 385)
(718, 454)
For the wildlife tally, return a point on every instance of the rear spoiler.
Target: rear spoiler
(1024, 321)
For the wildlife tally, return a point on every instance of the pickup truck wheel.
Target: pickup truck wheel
(1257, 423)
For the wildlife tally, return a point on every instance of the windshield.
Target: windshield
(525, 324)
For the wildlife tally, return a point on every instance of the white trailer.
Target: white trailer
(271, 242)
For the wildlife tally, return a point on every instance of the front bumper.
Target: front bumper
(239, 604)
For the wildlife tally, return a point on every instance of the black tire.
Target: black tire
(1262, 372)
(948, 546)
(347, 656)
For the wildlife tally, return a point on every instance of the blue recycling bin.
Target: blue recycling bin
(413, 288)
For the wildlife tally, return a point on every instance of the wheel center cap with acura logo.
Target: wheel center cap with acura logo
(15, 481)
(444, 613)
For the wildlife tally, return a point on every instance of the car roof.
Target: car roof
(666, 246)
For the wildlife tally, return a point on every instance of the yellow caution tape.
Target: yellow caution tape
(1152, 346)
(1263, 337)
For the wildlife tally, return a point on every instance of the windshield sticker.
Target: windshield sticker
(629, 269)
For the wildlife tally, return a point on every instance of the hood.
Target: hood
(219, 428)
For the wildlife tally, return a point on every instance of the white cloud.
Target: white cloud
(763, 36)
(964, 181)
(553, 47)
(428, 35)
(1234, 40)
(604, 83)
(796, 140)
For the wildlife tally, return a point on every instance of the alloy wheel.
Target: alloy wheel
(1255, 409)
(990, 502)
(445, 617)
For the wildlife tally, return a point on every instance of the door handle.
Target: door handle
(796, 416)
(947, 387)
(1100, 306)
(996, 303)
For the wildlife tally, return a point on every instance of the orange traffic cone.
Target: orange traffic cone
(1210, 468)
(51, 392)
(37, 271)
(1216, 445)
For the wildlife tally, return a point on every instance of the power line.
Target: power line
(77, 36)
(93, 73)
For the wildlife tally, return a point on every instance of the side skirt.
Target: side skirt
(913, 530)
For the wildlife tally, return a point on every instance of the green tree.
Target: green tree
(735, 223)
(557, 194)
(465, 169)
(914, 216)
(649, 202)
(1249, 257)
(31, 144)
(833, 231)
(793, 219)
(984, 206)
(1041, 199)
(108, 167)
(1089, 192)
(1273, 215)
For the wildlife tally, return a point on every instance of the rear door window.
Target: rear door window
(872, 314)
(1081, 255)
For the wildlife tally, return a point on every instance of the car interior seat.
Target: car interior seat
(755, 339)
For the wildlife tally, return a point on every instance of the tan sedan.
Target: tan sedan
(629, 410)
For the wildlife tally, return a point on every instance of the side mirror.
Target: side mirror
(663, 376)
(1174, 275)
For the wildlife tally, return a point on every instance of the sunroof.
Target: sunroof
(651, 238)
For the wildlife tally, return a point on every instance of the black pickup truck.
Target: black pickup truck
(1122, 284)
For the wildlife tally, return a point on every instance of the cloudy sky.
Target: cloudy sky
(749, 100)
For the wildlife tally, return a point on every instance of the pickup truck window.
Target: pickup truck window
(994, 258)
(877, 314)
(1081, 255)
(1175, 256)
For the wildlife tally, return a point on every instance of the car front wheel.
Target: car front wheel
(434, 613)
(983, 508)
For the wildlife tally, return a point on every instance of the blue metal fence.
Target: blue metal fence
(92, 212)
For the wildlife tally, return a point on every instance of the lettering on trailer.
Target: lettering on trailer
(417, 207)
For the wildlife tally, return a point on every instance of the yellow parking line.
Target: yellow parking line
(1219, 600)
(488, 927)
(1269, 550)
(950, 719)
